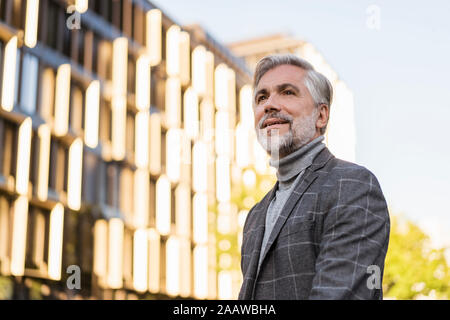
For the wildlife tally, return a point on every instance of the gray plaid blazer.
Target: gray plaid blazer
(333, 226)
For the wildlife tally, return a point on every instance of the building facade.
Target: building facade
(340, 136)
(118, 152)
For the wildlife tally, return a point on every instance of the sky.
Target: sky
(398, 73)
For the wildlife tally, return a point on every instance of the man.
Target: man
(322, 232)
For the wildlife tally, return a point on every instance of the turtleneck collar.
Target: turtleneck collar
(294, 163)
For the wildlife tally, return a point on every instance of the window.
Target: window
(46, 93)
(90, 177)
(17, 78)
(111, 185)
(105, 133)
(52, 17)
(76, 109)
(58, 164)
(130, 133)
(34, 158)
(37, 239)
(6, 219)
(131, 75)
(152, 205)
(138, 25)
(28, 89)
(9, 148)
(126, 192)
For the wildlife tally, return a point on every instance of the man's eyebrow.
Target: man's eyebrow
(284, 86)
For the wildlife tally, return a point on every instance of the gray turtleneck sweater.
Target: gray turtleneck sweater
(289, 172)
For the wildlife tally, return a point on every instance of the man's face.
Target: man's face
(285, 112)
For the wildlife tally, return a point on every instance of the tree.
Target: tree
(413, 269)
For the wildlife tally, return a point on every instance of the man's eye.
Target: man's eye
(260, 98)
(288, 92)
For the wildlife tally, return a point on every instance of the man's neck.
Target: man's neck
(295, 162)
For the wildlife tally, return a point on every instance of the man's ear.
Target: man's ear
(324, 115)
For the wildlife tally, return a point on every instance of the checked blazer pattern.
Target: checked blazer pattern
(333, 226)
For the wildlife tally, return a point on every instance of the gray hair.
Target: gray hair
(318, 85)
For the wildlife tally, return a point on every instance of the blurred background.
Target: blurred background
(128, 160)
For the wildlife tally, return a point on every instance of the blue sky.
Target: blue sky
(399, 75)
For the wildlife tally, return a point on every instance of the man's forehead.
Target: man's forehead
(283, 74)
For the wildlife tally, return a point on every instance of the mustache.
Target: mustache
(274, 115)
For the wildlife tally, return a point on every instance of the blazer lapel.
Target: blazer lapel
(308, 177)
(260, 215)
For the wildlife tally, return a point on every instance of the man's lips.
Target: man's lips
(273, 121)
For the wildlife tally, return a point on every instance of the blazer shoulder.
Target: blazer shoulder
(341, 169)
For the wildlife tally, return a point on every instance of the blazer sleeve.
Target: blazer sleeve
(355, 235)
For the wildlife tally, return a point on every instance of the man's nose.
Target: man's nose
(271, 105)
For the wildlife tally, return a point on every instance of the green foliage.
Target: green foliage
(6, 288)
(413, 269)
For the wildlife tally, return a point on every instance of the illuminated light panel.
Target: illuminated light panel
(119, 120)
(200, 218)
(185, 66)
(249, 178)
(115, 253)
(140, 260)
(173, 103)
(173, 266)
(201, 272)
(23, 157)
(119, 66)
(199, 167)
(62, 99)
(225, 280)
(154, 261)
(199, 70)
(153, 36)
(185, 272)
(155, 144)
(261, 157)
(183, 210)
(141, 138)
(223, 133)
(143, 83)
(186, 155)
(221, 91)
(74, 175)
(243, 145)
(209, 74)
(91, 120)
(101, 249)
(141, 192)
(173, 51)
(9, 74)
(31, 23)
(246, 116)
(163, 205)
(191, 120)
(55, 242)
(19, 235)
(207, 114)
(81, 5)
(231, 91)
(173, 154)
(119, 102)
(223, 179)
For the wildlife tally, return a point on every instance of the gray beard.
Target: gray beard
(301, 131)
